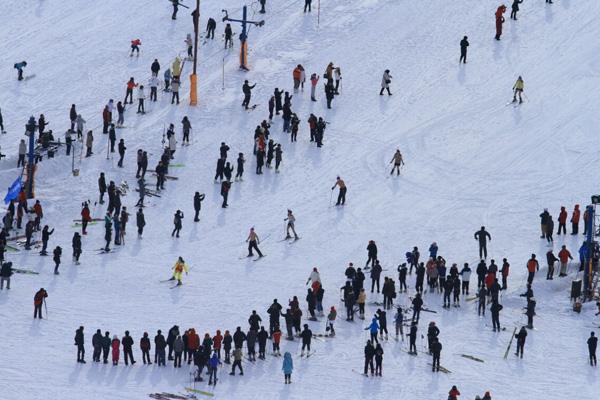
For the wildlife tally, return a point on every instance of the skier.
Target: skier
(228, 36)
(331, 316)
(135, 46)
(175, 83)
(211, 25)
(141, 96)
(175, 8)
(420, 272)
(253, 242)
(495, 309)
(532, 267)
(435, 349)
(592, 343)
(225, 187)
(482, 235)
(46, 232)
(140, 222)
(178, 269)
(38, 300)
(186, 127)
(398, 162)
(499, 20)
(465, 274)
(57, 253)
(240, 167)
(464, 43)
(105, 120)
(412, 335)
(329, 93)
(564, 255)
(481, 295)
(341, 200)
(432, 333)
(19, 67)
(76, 242)
(518, 90)
(129, 92)
(112, 137)
(530, 312)
(521, 336)
(122, 149)
(291, 220)
(375, 275)
(385, 83)
(153, 82)
(197, 205)
(79, 342)
(287, 367)
(515, 9)
(177, 222)
(399, 323)
(247, 89)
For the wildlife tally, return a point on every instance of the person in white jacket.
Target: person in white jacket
(79, 122)
(172, 144)
(314, 276)
(141, 95)
(465, 274)
(385, 82)
(153, 82)
(22, 153)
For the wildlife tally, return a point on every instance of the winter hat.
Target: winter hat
(333, 309)
(115, 337)
(315, 269)
(477, 397)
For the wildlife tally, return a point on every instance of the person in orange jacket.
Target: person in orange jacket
(135, 46)
(129, 93)
(217, 340)
(586, 218)
(298, 75)
(532, 266)
(575, 220)
(499, 20)
(105, 119)
(276, 336)
(564, 256)
(562, 221)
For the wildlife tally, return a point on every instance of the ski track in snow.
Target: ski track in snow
(470, 161)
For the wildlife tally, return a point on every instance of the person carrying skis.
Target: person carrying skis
(253, 241)
(178, 269)
(464, 43)
(482, 236)
(247, 90)
(521, 336)
(177, 222)
(500, 20)
(385, 83)
(518, 90)
(515, 9)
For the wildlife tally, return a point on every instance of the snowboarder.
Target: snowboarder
(500, 20)
(247, 89)
(341, 200)
(177, 222)
(385, 83)
(482, 236)
(291, 220)
(175, 83)
(253, 242)
(398, 162)
(518, 90)
(464, 43)
(186, 127)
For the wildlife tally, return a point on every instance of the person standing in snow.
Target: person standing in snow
(197, 205)
(500, 20)
(177, 222)
(521, 336)
(464, 43)
(253, 242)
(551, 259)
(341, 200)
(436, 350)
(495, 309)
(385, 82)
(76, 243)
(247, 90)
(140, 221)
(564, 255)
(291, 220)
(225, 187)
(378, 359)
(562, 221)
(56, 258)
(129, 92)
(515, 9)
(38, 299)
(141, 97)
(482, 236)
(135, 46)
(532, 267)
(592, 343)
(79, 342)
(122, 149)
(453, 393)
(178, 269)
(186, 127)
(228, 36)
(175, 83)
(575, 220)
(287, 367)
(22, 154)
(518, 90)
(398, 162)
(19, 67)
(89, 141)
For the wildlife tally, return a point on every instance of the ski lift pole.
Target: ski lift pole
(193, 77)
(318, 13)
(244, 35)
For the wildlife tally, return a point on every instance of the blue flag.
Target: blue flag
(13, 190)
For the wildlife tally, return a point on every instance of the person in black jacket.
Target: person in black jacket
(127, 343)
(306, 336)
(495, 309)
(122, 149)
(5, 274)
(219, 172)
(225, 187)
(412, 335)
(210, 28)
(197, 205)
(592, 343)
(97, 345)
(247, 89)
(515, 9)
(464, 43)
(482, 236)
(371, 253)
(417, 304)
(274, 312)
(544, 217)
(101, 187)
(238, 338)
(173, 333)
(369, 354)
(482, 298)
(432, 334)
(145, 347)
(481, 271)
(375, 275)
(436, 350)
(106, 342)
(140, 221)
(76, 243)
(551, 259)
(159, 349)
(521, 336)
(262, 337)
(79, 342)
(155, 67)
(254, 320)
(420, 277)
(57, 253)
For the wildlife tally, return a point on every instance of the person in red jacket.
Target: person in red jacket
(276, 340)
(575, 220)
(115, 345)
(562, 221)
(499, 20)
(453, 393)
(217, 340)
(105, 119)
(586, 220)
(193, 343)
(38, 300)
(504, 271)
(564, 256)
(85, 218)
(135, 46)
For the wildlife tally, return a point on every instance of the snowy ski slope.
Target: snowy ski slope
(470, 161)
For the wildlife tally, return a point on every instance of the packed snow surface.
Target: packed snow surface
(471, 160)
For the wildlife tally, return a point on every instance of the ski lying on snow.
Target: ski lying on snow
(25, 271)
(471, 358)
(444, 370)
(199, 391)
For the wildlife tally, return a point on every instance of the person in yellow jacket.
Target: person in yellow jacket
(518, 88)
(176, 67)
(178, 269)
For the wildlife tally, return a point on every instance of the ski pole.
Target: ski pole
(46, 307)
(331, 198)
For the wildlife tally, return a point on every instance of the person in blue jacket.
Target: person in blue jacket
(287, 367)
(167, 76)
(19, 67)
(433, 249)
(213, 364)
(374, 329)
